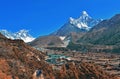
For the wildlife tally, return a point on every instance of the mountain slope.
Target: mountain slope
(47, 41)
(22, 34)
(81, 24)
(105, 33)
(66, 29)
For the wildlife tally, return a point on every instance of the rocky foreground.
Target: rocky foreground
(20, 61)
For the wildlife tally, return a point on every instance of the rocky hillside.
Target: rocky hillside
(20, 61)
(83, 71)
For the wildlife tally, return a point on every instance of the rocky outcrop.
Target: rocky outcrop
(83, 71)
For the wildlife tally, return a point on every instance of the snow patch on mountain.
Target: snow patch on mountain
(22, 34)
(62, 37)
(85, 13)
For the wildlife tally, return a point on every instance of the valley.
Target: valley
(21, 61)
(109, 62)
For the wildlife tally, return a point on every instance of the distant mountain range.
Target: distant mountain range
(71, 30)
(22, 34)
(82, 24)
(83, 34)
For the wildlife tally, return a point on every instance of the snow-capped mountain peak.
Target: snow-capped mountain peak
(71, 19)
(84, 16)
(22, 34)
(84, 21)
(85, 13)
(7, 34)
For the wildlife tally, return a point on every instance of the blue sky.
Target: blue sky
(42, 17)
